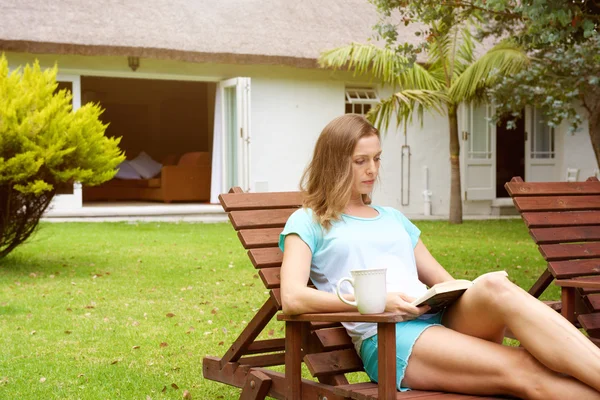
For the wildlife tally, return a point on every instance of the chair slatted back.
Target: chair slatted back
(258, 219)
(563, 219)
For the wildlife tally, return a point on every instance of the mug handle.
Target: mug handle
(350, 281)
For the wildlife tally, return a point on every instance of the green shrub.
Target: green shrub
(44, 143)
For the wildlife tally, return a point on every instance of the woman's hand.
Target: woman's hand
(400, 303)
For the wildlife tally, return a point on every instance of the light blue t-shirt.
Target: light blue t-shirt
(384, 241)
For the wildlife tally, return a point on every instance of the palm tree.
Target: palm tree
(452, 75)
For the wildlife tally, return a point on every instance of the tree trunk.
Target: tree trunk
(456, 216)
(591, 100)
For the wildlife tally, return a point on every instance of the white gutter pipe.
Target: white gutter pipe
(426, 193)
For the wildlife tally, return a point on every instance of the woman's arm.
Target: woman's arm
(298, 298)
(430, 271)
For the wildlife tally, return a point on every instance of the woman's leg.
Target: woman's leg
(446, 360)
(494, 302)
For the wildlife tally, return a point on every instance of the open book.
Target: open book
(443, 294)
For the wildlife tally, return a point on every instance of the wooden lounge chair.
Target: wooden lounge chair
(318, 340)
(564, 221)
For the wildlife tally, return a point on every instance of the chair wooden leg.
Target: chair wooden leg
(386, 353)
(541, 284)
(293, 360)
(252, 330)
(256, 387)
(568, 303)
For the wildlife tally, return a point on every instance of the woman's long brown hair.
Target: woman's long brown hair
(327, 181)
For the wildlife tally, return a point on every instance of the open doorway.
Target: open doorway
(510, 153)
(166, 129)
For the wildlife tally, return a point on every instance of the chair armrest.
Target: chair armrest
(343, 317)
(386, 348)
(583, 282)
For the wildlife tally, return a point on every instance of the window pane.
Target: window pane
(232, 135)
(64, 85)
(542, 145)
(360, 101)
(480, 133)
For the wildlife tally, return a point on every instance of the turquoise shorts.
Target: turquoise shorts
(407, 334)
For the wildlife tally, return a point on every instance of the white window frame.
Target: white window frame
(358, 97)
(550, 153)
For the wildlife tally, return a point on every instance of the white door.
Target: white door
(66, 199)
(235, 123)
(478, 153)
(540, 154)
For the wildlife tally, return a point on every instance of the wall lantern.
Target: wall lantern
(133, 62)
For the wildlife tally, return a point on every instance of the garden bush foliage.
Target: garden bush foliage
(44, 143)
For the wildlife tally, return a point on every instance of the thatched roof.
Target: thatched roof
(221, 31)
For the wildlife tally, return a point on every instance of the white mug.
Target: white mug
(369, 290)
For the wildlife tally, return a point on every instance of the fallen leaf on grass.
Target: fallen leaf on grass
(114, 362)
(42, 379)
(68, 332)
(80, 375)
(135, 347)
(32, 332)
(271, 332)
(221, 343)
(164, 389)
(187, 395)
(170, 315)
(174, 386)
(214, 310)
(164, 344)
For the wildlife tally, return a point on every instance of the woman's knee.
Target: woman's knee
(494, 289)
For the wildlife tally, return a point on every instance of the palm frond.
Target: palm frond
(452, 50)
(404, 104)
(506, 58)
(420, 78)
(383, 64)
(465, 50)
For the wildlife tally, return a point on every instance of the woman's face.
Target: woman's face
(365, 165)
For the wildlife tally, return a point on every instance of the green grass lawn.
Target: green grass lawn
(128, 310)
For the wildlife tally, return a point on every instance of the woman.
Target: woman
(458, 350)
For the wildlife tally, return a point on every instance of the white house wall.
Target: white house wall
(290, 107)
(288, 115)
(429, 147)
(577, 152)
